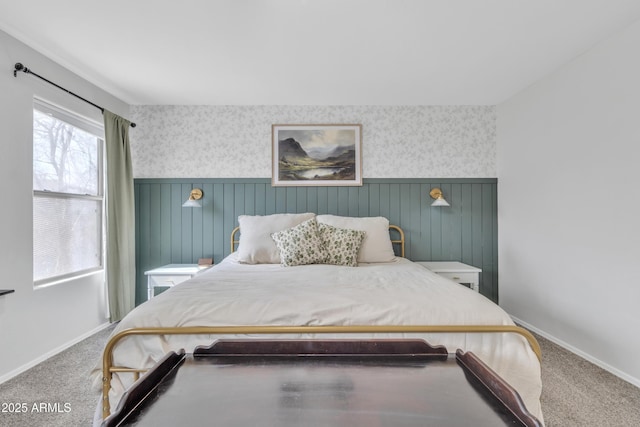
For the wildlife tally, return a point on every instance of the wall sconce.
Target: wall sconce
(436, 194)
(194, 199)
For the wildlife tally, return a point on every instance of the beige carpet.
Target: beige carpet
(578, 393)
(575, 392)
(59, 386)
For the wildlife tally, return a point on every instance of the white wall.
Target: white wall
(569, 205)
(235, 141)
(35, 323)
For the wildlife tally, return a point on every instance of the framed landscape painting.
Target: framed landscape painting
(316, 155)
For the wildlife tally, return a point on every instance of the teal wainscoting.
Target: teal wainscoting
(467, 231)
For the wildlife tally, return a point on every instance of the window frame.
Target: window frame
(96, 129)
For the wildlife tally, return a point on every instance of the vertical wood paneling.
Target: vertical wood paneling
(281, 200)
(487, 238)
(228, 214)
(323, 201)
(269, 200)
(238, 200)
(207, 221)
(144, 208)
(394, 204)
(343, 201)
(466, 220)
(260, 201)
(415, 246)
(447, 217)
(186, 227)
(454, 234)
(165, 223)
(311, 200)
(217, 213)
(154, 222)
(406, 204)
(476, 225)
(425, 223)
(291, 199)
(176, 223)
(467, 231)
(354, 201)
(493, 281)
(332, 200)
(301, 200)
(250, 199)
(374, 199)
(383, 208)
(436, 231)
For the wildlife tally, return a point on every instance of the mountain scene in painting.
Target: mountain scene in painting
(320, 163)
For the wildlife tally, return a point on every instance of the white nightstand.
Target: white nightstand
(456, 271)
(170, 275)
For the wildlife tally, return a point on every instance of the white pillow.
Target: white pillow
(376, 246)
(256, 245)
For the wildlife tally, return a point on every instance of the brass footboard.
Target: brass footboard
(107, 362)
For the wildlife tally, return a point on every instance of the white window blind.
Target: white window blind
(67, 194)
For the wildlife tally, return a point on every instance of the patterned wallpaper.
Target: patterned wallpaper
(235, 141)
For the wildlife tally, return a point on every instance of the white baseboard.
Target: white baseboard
(618, 373)
(31, 364)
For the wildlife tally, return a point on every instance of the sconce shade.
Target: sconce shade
(440, 202)
(194, 199)
(191, 204)
(436, 194)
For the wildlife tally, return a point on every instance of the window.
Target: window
(67, 194)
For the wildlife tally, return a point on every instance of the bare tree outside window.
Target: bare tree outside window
(67, 205)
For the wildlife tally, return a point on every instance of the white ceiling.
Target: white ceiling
(314, 52)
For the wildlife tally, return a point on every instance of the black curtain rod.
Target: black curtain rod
(20, 67)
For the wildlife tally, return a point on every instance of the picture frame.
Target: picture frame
(316, 155)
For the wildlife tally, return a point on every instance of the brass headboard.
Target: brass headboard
(234, 242)
(400, 240)
(395, 228)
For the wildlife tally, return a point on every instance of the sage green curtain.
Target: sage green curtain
(121, 269)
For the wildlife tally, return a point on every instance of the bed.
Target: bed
(266, 289)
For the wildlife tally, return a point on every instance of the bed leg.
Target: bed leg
(106, 407)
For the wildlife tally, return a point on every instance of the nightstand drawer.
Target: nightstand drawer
(461, 277)
(170, 275)
(168, 280)
(455, 271)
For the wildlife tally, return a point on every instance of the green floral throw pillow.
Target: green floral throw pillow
(300, 245)
(341, 244)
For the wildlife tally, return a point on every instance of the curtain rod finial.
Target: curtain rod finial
(18, 67)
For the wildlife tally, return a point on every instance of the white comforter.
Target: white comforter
(396, 293)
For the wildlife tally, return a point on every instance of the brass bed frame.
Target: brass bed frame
(107, 360)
